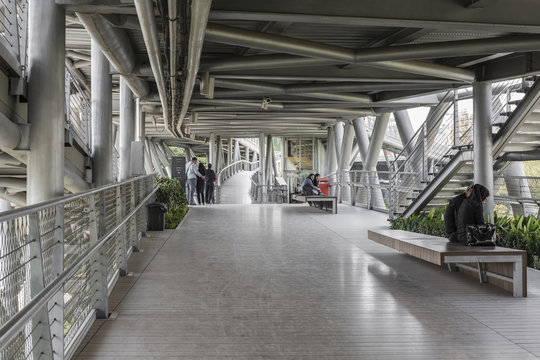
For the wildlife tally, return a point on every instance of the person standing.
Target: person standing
(209, 180)
(200, 184)
(191, 183)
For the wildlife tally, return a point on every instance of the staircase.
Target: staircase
(437, 164)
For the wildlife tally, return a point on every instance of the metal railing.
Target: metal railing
(59, 261)
(268, 194)
(78, 113)
(437, 140)
(230, 170)
(14, 33)
(517, 195)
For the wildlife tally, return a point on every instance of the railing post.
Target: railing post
(424, 151)
(121, 237)
(456, 119)
(133, 225)
(39, 332)
(56, 304)
(99, 263)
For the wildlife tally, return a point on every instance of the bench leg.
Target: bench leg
(518, 278)
(452, 267)
(482, 276)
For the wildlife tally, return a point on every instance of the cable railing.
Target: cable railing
(78, 113)
(268, 194)
(230, 170)
(517, 195)
(14, 33)
(438, 139)
(59, 261)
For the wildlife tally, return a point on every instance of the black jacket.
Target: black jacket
(470, 212)
(450, 215)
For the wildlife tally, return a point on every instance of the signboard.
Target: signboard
(178, 169)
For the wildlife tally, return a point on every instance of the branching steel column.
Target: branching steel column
(344, 159)
(219, 154)
(338, 133)
(518, 187)
(374, 150)
(405, 129)
(102, 142)
(262, 160)
(268, 161)
(212, 150)
(127, 127)
(321, 166)
(483, 141)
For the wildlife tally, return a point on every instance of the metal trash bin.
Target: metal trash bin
(156, 216)
(323, 185)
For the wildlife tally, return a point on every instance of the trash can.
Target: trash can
(323, 185)
(156, 216)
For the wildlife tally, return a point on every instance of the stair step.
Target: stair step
(506, 113)
(514, 102)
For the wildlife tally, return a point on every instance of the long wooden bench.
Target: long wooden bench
(329, 202)
(502, 267)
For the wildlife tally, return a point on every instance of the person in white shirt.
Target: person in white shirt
(191, 182)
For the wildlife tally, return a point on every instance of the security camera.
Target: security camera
(266, 100)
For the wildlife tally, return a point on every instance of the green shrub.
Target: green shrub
(521, 232)
(175, 216)
(171, 194)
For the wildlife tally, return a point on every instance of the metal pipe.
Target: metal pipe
(483, 141)
(10, 134)
(127, 128)
(145, 13)
(46, 60)
(115, 45)
(271, 89)
(199, 18)
(372, 157)
(172, 55)
(338, 137)
(518, 187)
(278, 43)
(344, 159)
(18, 199)
(102, 140)
(404, 126)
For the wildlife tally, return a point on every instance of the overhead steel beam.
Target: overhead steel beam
(371, 56)
(450, 15)
(145, 13)
(115, 45)
(199, 19)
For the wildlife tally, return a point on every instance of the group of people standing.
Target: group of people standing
(465, 209)
(200, 181)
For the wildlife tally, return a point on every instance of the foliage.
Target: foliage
(171, 194)
(517, 233)
(177, 151)
(175, 216)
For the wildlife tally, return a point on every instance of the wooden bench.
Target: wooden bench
(329, 202)
(502, 267)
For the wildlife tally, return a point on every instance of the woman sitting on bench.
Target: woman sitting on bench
(308, 188)
(471, 211)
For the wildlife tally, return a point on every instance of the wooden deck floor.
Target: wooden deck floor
(291, 282)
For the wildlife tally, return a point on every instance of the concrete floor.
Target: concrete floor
(292, 282)
(236, 189)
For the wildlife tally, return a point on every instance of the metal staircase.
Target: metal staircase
(437, 163)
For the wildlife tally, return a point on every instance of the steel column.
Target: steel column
(374, 150)
(483, 141)
(404, 126)
(102, 141)
(127, 127)
(518, 187)
(344, 159)
(262, 160)
(212, 150)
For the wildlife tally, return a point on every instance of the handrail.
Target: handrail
(10, 329)
(232, 165)
(12, 214)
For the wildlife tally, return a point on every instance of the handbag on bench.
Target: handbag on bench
(481, 235)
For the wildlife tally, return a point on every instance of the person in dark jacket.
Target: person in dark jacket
(209, 180)
(200, 185)
(308, 188)
(450, 215)
(471, 211)
(316, 180)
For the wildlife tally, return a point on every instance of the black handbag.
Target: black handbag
(481, 235)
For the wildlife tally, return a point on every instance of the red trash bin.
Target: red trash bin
(323, 185)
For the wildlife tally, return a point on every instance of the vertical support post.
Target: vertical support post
(99, 265)
(518, 187)
(374, 150)
(344, 159)
(405, 129)
(127, 127)
(102, 141)
(45, 168)
(483, 141)
(268, 161)
(262, 159)
(363, 145)
(120, 214)
(212, 150)
(456, 120)
(219, 154)
(424, 152)
(331, 159)
(230, 156)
